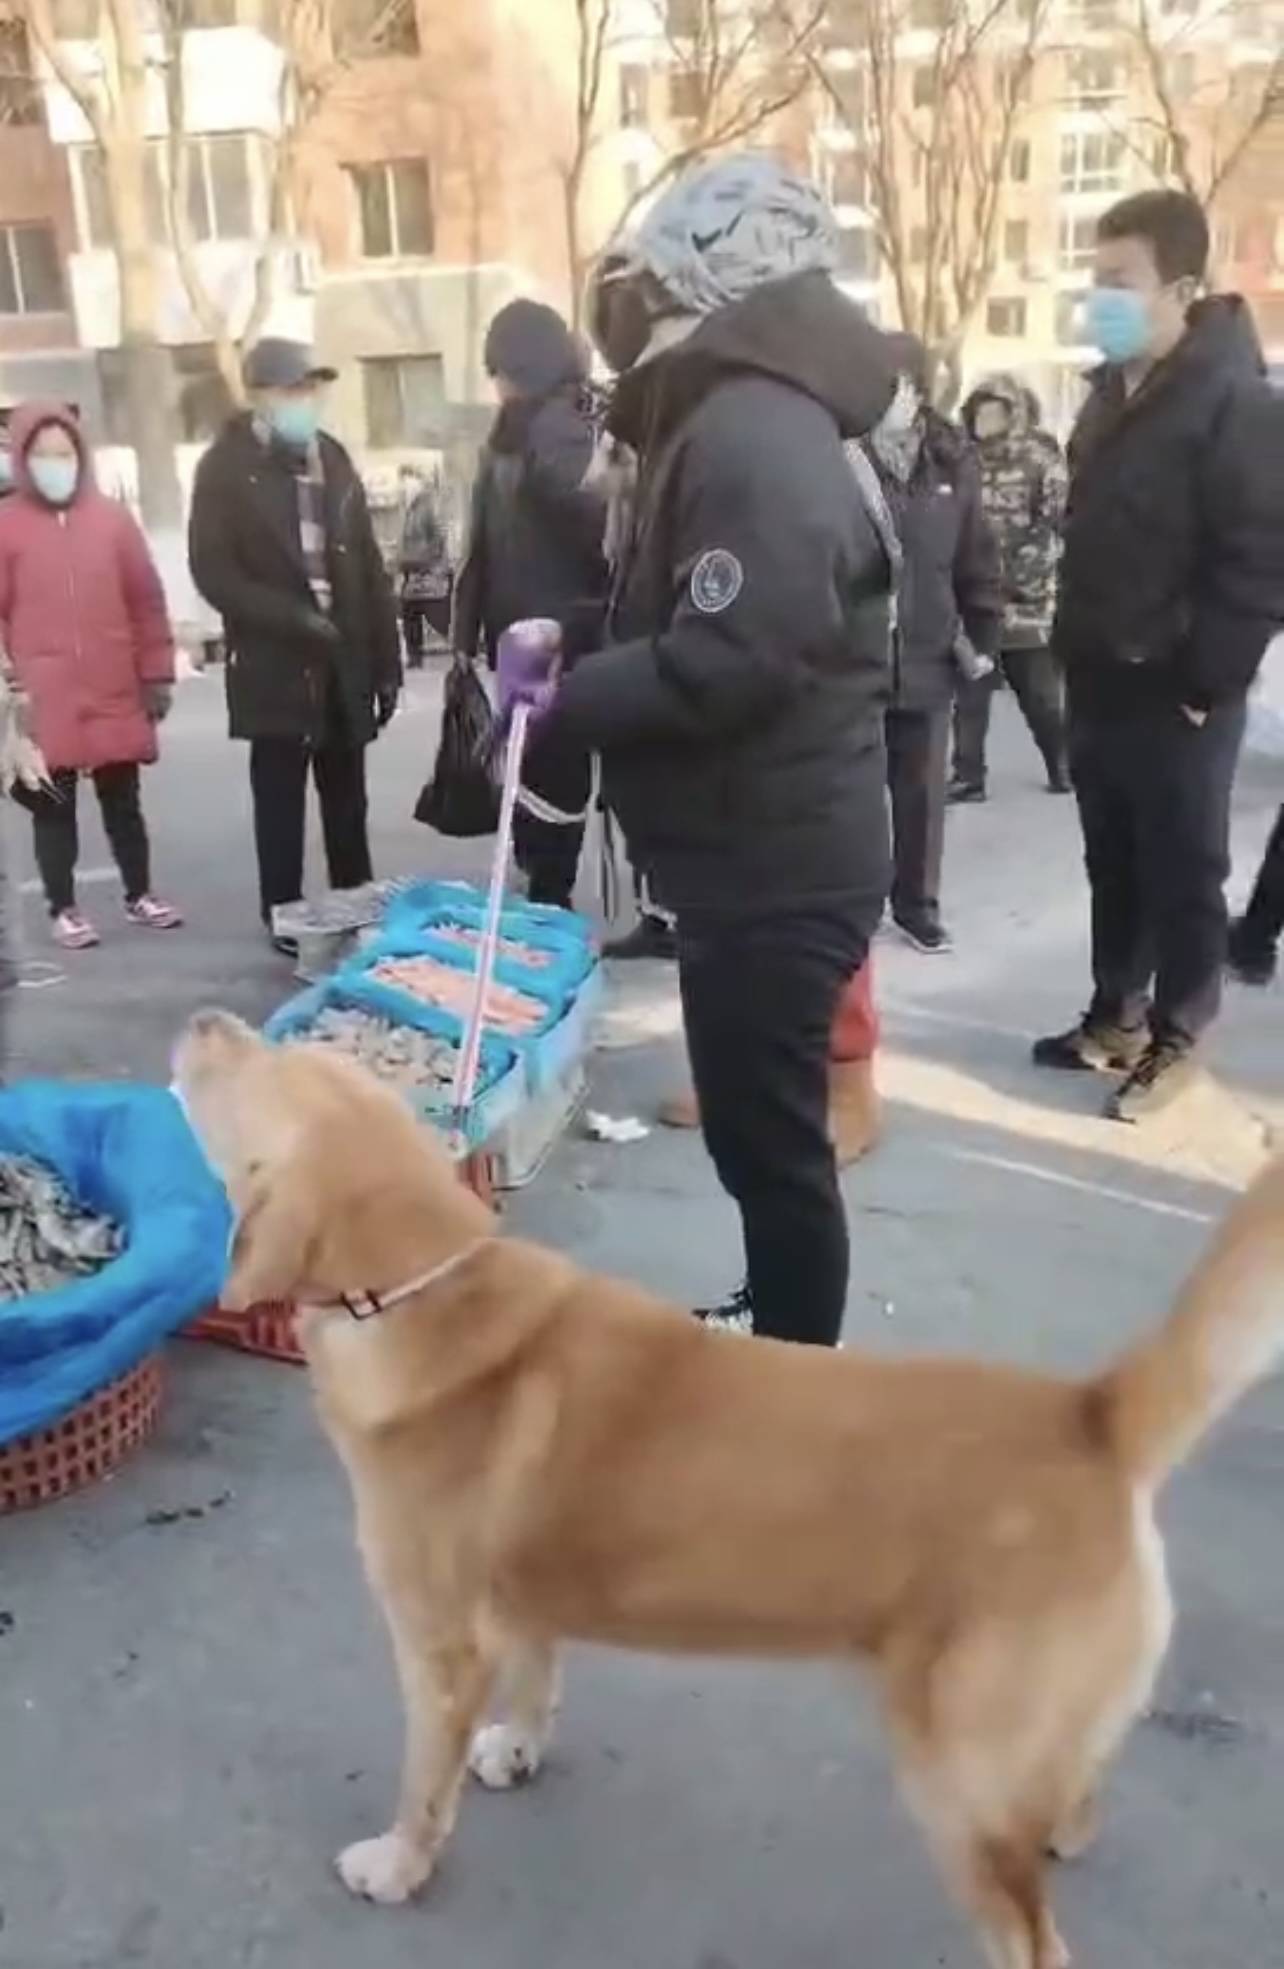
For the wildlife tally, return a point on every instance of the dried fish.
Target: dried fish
(46, 1238)
(451, 989)
(414, 1062)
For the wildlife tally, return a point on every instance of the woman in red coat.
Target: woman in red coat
(84, 623)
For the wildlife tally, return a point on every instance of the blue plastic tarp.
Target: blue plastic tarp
(129, 1153)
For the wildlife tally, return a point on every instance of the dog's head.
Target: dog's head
(329, 1174)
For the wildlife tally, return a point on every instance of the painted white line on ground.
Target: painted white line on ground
(901, 1008)
(1042, 1175)
(33, 887)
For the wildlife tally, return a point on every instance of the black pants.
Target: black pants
(278, 781)
(1037, 684)
(1154, 801)
(917, 745)
(57, 835)
(548, 852)
(414, 629)
(1264, 916)
(758, 1000)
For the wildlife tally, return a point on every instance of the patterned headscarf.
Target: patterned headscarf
(729, 225)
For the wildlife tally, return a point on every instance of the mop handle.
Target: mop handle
(470, 1048)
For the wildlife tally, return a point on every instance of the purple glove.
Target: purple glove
(527, 664)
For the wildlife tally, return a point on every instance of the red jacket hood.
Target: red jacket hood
(29, 418)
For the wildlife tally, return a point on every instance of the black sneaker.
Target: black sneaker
(1093, 1046)
(1059, 782)
(926, 933)
(1250, 957)
(734, 1315)
(965, 792)
(1164, 1071)
(284, 946)
(650, 936)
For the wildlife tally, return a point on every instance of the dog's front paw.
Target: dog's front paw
(388, 1869)
(503, 1756)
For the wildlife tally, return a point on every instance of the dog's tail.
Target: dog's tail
(1224, 1332)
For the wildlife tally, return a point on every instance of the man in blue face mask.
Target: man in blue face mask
(282, 545)
(1172, 585)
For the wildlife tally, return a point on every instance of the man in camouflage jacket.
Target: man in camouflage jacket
(1023, 489)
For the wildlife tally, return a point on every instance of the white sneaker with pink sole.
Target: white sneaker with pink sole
(72, 931)
(150, 913)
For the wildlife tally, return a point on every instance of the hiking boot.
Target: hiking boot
(1164, 1071)
(650, 936)
(679, 1110)
(150, 913)
(965, 792)
(734, 1315)
(926, 932)
(855, 1115)
(1093, 1046)
(1250, 956)
(72, 931)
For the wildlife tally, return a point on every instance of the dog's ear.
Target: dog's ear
(272, 1243)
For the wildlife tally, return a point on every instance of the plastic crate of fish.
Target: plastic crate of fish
(440, 980)
(409, 1046)
(552, 1058)
(557, 945)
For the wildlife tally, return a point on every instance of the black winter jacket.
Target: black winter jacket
(1173, 578)
(739, 716)
(951, 576)
(291, 671)
(535, 534)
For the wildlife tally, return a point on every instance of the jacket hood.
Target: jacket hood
(1222, 335)
(801, 330)
(530, 346)
(1005, 388)
(27, 419)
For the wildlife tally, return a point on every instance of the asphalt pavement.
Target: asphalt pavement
(195, 1713)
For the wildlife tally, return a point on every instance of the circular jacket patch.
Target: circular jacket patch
(716, 580)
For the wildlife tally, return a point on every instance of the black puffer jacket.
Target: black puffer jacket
(951, 577)
(291, 671)
(739, 716)
(535, 532)
(1172, 582)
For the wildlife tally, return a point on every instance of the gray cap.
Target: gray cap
(277, 364)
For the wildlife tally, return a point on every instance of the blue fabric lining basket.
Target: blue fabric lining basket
(126, 1151)
(568, 939)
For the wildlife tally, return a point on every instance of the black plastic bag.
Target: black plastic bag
(461, 798)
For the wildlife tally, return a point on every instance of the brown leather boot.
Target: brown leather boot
(680, 1110)
(855, 1113)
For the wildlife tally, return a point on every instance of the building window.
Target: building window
(220, 203)
(684, 19)
(1016, 241)
(1019, 161)
(209, 13)
(930, 13)
(634, 92)
(1006, 317)
(857, 255)
(686, 94)
(848, 178)
(1092, 160)
(924, 85)
(631, 173)
(405, 401)
(1096, 78)
(394, 208)
(76, 20)
(1093, 13)
(19, 90)
(1077, 242)
(1070, 320)
(381, 27)
(30, 273)
(1182, 74)
(95, 224)
(848, 92)
(918, 245)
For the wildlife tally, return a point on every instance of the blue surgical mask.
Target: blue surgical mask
(1117, 321)
(55, 479)
(295, 421)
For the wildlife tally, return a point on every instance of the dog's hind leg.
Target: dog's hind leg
(510, 1752)
(445, 1681)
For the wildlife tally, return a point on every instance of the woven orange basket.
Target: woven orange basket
(84, 1446)
(269, 1329)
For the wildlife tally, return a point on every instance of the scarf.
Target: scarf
(306, 469)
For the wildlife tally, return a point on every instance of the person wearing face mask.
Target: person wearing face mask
(87, 634)
(1172, 585)
(282, 546)
(738, 709)
(948, 619)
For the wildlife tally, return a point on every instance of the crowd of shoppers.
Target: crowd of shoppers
(775, 571)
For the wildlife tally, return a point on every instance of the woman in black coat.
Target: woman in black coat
(535, 549)
(949, 612)
(281, 545)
